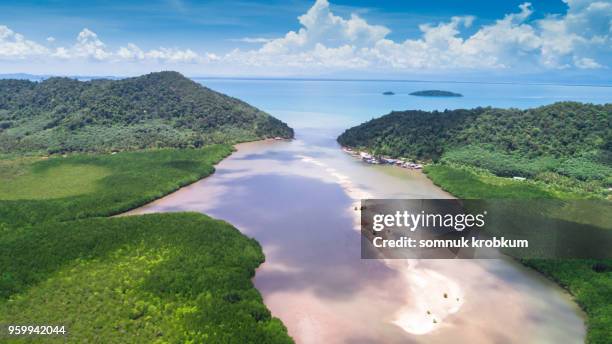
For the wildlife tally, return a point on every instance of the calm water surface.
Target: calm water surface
(297, 199)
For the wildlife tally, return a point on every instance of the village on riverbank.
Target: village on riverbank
(378, 160)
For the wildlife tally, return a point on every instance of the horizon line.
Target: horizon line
(271, 78)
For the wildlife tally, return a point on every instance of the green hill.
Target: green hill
(162, 109)
(566, 139)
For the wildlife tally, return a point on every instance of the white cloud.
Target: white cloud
(322, 27)
(212, 57)
(581, 38)
(586, 63)
(173, 55)
(15, 46)
(252, 40)
(61, 53)
(507, 43)
(88, 45)
(131, 52)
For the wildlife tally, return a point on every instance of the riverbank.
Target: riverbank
(174, 277)
(591, 289)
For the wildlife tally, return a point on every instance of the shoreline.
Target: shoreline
(540, 272)
(130, 211)
(354, 153)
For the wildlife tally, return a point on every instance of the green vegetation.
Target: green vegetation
(436, 93)
(55, 182)
(163, 278)
(559, 131)
(564, 143)
(478, 184)
(589, 281)
(132, 179)
(156, 110)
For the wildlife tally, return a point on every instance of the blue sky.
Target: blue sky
(307, 38)
(211, 24)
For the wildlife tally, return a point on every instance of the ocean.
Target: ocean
(342, 104)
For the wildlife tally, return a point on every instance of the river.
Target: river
(297, 199)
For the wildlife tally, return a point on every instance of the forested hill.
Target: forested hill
(162, 109)
(568, 138)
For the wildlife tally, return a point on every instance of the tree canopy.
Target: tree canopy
(162, 109)
(569, 138)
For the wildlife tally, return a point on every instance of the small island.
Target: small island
(435, 93)
(388, 93)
